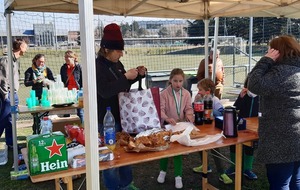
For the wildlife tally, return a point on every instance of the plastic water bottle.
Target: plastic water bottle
(80, 98)
(46, 126)
(109, 130)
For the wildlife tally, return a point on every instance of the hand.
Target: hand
(190, 118)
(273, 54)
(171, 121)
(39, 79)
(243, 92)
(141, 70)
(131, 74)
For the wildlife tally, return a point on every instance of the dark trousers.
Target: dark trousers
(284, 176)
(6, 119)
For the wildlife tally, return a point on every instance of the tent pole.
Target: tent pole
(12, 87)
(86, 18)
(250, 42)
(215, 48)
(206, 33)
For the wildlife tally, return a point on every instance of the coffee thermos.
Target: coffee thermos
(230, 127)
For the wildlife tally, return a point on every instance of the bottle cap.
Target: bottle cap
(45, 118)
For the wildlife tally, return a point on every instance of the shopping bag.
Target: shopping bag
(140, 109)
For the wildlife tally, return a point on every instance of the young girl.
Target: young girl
(247, 103)
(207, 87)
(176, 106)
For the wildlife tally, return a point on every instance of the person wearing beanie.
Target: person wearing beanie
(112, 79)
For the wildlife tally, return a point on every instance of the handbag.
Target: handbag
(139, 109)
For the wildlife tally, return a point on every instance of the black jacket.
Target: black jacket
(38, 87)
(247, 106)
(110, 81)
(77, 74)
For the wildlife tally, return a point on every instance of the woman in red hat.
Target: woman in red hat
(112, 79)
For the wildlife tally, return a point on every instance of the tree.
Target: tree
(195, 29)
(126, 30)
(78, 38)
(98, 32)
(178, 33)
(163, 32)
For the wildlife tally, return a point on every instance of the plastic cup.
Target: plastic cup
(32, 93)
(29, 102)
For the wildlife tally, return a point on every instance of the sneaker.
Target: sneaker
(225, 179)
(178, 182)
(199, 169)
(230, 171)
(250, 174)
(161, 177)
(132, 187)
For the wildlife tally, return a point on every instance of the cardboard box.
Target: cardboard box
(60, 122)
(47, 153)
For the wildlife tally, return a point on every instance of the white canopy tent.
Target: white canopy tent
(184, 9)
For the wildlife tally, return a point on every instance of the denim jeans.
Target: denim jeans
(80, 114)
(285, 176)
(116, 178)
(6, 119)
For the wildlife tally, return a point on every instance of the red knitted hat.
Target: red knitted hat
(112, 37)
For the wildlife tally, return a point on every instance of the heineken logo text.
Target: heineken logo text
(47, 166)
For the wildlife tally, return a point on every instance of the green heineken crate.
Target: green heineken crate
(47, 153)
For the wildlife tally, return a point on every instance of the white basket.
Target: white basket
(3, 154)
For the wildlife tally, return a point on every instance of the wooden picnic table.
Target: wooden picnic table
(38, 112)
(126, 158)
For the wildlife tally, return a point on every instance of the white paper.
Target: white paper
(185, 139)
(180, 126)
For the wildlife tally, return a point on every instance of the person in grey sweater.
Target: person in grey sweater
(19, 48)
(276, 79)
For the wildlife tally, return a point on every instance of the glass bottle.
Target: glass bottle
(34, 163)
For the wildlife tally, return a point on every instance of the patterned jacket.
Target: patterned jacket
(278, 87)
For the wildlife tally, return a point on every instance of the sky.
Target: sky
(49, 18)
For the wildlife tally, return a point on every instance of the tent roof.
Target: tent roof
(184, 9)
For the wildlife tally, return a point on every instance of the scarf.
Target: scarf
(39, 71)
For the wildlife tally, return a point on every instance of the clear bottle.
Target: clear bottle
(208, 109)
(80, 98)
(34, 164)
(109, 129)
(46, 126)
(198, 109)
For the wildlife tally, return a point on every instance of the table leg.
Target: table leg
(68, 180)
(36, 123)
(57, 184)
(204, 168)
(238, 166)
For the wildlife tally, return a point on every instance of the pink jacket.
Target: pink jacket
(168, 105)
